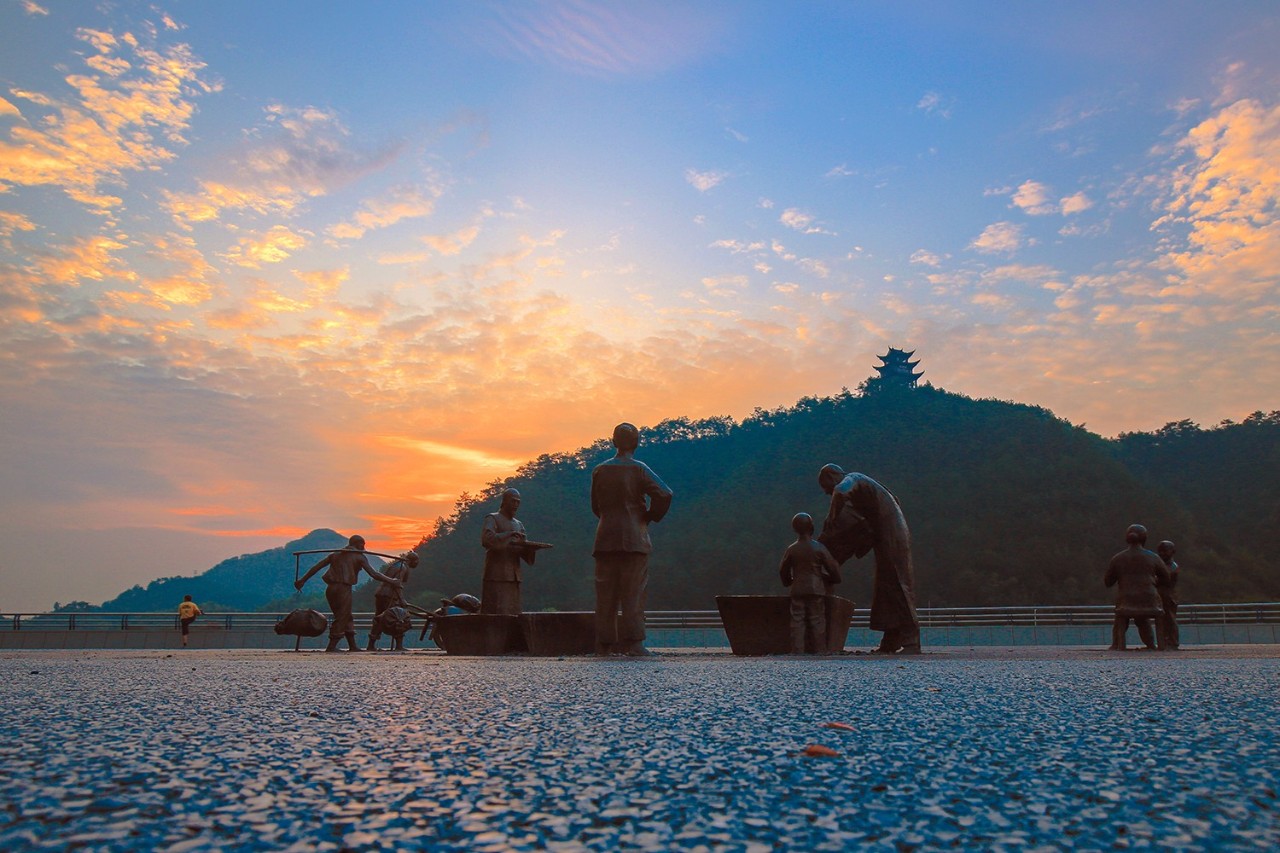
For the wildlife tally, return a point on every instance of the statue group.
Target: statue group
(1146, 591)
(627, 497)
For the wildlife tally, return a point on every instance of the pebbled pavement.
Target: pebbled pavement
(1014, 749)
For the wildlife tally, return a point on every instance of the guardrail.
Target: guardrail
(930, 617)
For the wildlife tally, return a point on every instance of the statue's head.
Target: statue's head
(802, 523)
(356, 541)
(1136, 535)
(830, 476)
(410, 559)
(626, 437)
(1166, 549)
(510, 501)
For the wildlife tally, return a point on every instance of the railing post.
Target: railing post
(71, 620)
(124, 622)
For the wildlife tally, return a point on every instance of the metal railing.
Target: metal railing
(930, 617)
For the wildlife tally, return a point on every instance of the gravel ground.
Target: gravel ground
(237, 750)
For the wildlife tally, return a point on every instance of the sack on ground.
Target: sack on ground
(303, 623)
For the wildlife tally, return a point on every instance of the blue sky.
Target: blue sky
(266, 267)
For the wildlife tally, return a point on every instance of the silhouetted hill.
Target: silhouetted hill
(241, 583)
(1007, 504)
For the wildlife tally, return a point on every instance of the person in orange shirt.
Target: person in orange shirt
(187, 613)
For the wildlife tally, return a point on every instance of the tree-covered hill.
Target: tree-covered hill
(241, 583)
(1007, 504)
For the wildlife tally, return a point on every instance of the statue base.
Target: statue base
(536, 634)
(761, 624)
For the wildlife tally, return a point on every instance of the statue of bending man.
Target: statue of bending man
(865, 516)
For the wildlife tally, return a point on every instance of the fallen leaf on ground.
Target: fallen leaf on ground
(814, 750)
(842, 726)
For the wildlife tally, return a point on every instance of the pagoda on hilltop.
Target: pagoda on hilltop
(897, 370)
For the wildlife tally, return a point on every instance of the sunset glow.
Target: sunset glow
(272, 267)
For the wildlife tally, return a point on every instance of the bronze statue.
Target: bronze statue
(343, 573)
(1135, 572)
(865, 516)
(627, 497)
(810, 571)
(505, 546)
(1167, 624)
(388, 596)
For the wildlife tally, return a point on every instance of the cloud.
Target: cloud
(95, 258)
(1032, 198)
(1073, 204)
(10, 223)
(127, 117)
(1225, 201)
(703, 181)
(270, 247)
(295, 155)
(999, 238)
(400, 203)
(598, 38)
(923, 256)
(33, 8)
(934, 104)
(798, 220)
(724, 285)
(452, 244)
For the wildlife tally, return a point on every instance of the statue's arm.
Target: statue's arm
(659, 496)
(1112, 575)
(829, 562)
(298, 584)
(374, 573)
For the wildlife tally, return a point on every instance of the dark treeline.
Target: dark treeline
(1007, 503)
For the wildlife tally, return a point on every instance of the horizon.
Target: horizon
(268, 268)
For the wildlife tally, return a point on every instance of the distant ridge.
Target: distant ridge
(243, 583)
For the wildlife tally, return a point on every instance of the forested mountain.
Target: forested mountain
(1007, 503)
(247, 582)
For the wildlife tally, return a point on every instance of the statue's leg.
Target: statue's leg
(340, 607)
(816, 622)
(1145, 633)
(889, 642)
(796, 644)
(606, 603)
(633, 586)
(1175, 641)
(909, 640)
(1119, 627)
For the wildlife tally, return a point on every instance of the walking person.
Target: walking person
(187, 613)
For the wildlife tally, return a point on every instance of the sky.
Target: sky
(268, 267)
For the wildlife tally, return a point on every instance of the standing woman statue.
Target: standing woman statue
(865, 516)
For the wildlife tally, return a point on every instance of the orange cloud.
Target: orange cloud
(128, 116)
(399, 204)
(1228, 199)
(272, 247)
